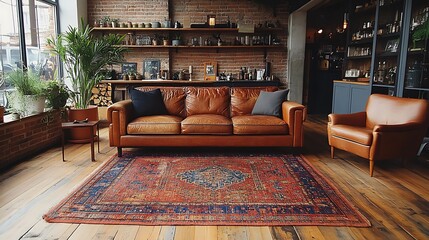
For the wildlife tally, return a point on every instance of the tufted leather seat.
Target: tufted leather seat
(390, 127)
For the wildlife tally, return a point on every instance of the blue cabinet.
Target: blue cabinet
(350, 97)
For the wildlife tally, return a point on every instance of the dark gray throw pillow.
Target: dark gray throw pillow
(147, 103)
(269, 103)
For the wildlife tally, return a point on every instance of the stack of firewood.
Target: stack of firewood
(102, 94)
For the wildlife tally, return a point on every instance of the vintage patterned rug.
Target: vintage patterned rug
(207, 189)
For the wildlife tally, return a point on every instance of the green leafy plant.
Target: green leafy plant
(26, 82)
(421, 32)
(115, 22)
(57, 94)
(84, 57)
(105, 20)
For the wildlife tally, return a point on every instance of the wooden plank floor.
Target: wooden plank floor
(395, 200)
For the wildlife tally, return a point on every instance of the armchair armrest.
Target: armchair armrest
(396, 141)
(353, 119)
(294, 114)
(412, 126)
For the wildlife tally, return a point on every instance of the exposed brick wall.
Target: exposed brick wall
(229, 60)
(22, 138)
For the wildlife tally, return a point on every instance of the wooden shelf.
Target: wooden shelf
(206, 47)
(362, 41)
(185, 29)
(383, 85)
(360, 57)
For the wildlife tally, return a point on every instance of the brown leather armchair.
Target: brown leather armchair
(390, 127)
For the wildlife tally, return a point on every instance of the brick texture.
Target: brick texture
(187, 11)
(28, 136)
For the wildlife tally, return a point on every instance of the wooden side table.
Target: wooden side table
(90, 125)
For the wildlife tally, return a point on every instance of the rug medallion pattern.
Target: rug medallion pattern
(210, 189)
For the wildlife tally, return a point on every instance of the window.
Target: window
(39, 21)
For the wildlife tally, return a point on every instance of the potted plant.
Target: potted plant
(176, 40)
(421, 35)
(29, 97)
(104, 22)
(56, 94)
(156, 39)
(132, 75)
(165, 41)
(1, 113)
(114, 22)
(84, 57)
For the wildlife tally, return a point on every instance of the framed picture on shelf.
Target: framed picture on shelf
(151, 68)
(392, 45)
(129, 67)
(210, 71)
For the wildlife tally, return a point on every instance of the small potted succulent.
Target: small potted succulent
(176, 40)
(165, 41)
(114, 22)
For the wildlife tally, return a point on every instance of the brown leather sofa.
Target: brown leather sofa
(204, 117)
(390, 128)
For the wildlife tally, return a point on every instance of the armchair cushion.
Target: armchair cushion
(357, 134)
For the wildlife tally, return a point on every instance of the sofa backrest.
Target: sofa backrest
(243, 99)
(174, 99)
(384, 109)
(226, 101)
(207, 100)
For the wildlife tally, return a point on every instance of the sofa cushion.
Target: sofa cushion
(207, 124)
(147, 103)
(259, 124)
(269, 103)
(160, 124)
(174, 99)
(356, 134)
(244, 98)
(207, 100)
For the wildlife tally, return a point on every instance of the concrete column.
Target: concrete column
(71, 11)
(296, 54)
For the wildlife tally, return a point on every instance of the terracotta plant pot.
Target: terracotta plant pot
(1, 114)
(81, 135)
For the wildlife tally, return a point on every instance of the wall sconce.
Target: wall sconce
(211, 20)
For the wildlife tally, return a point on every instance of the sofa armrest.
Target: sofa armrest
(294, 114)
(353, 119)
(119, 115)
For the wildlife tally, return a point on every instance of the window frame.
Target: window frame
(21, 30)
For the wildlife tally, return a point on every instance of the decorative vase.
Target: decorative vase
(82, 135)
(165, 42)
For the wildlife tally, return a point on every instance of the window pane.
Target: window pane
(10, 56)
(39, 25)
